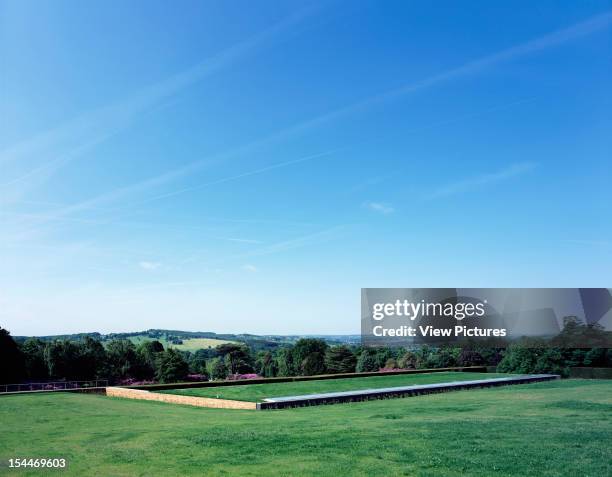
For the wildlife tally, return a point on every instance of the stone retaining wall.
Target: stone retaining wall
(178, 399)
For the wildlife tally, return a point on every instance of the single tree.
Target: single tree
(265, 364)
(216, 368)
(148, 352)
(236, 357)
(197, 362)
(340, 359)
(171, 366)
(308, 356)
(367, 361)
(284, 362)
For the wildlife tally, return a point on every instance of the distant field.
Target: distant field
(561, 428)
(257, 392)
(192, 344)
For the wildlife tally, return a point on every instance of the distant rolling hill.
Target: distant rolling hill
(194, 340)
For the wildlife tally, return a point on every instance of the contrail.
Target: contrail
(238, 176)
(550, 40)
(98, 125)
(481, 180)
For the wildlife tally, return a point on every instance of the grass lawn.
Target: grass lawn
(544, 429)
(257, 392)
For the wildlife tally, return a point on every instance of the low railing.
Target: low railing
(52, 386)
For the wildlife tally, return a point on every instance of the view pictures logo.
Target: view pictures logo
(414, 310)
(569, 317)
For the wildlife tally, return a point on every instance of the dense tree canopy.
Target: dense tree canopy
(216, 368)
(11, 360)
(119, 360)
(265, 364)
(340, 359)
(33, 351)
(171, 367)
(236, 358)
(308, 356)
(367, 361)
(148, 352)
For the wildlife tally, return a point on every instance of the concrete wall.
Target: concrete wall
(178, 399)
(398, 392)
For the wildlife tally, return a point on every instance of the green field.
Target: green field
(257, 392)
(545, 429)
(189, 344)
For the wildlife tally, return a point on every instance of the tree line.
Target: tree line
(87, 358)
(121, 361)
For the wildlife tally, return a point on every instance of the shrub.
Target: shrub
(237, 377)
(197, 377)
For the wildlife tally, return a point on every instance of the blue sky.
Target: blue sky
(249, 166)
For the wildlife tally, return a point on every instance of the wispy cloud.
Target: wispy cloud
(63, 144)
(307, 240)
(479, 65)
(471, 67)
(261, 170)
(299, 242)
(241, 240)
(249, 268)
(559, 37)
(146, 265)
(550, 40)
(379, 207)
(480, 180)
(109, 197)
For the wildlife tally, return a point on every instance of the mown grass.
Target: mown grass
(559, 428)
(257, 392)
